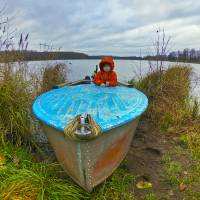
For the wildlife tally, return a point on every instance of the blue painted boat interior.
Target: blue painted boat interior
(109, 106)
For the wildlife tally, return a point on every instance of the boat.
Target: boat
(116, 110)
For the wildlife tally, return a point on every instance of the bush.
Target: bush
(15, 107)
(53, 75)
(17, 92)
(22, 178)
(169, 95)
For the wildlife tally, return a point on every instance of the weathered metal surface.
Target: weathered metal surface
(89, 163)
(71, 83)
(84, 81)
(65, 150)
(115, 109)
(110, 107)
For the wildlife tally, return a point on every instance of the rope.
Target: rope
(71, 129)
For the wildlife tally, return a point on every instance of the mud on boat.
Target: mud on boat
(116, 110)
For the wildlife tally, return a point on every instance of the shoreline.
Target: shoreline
(26, 56)
(40, 60)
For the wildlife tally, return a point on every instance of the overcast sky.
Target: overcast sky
(118, 27)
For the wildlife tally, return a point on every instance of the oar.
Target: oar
(61, 85)
(125, 84)
(72, 83)
(85, 82)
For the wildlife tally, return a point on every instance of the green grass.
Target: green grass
(187, 171)
(182, 165)
(38, 182)
(15, 108)
(171, 89)
(119, 187)
(174, 111)
(23, 178)
(173, 170)
(17, 93)
(53, 75)
(151, 197)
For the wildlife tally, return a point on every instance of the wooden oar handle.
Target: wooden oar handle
(60, 85)
(125, 84)
(85, 82)
(72, 83)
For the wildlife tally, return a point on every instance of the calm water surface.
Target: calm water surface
(126, 70)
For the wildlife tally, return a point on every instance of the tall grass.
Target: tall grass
(15, 104)
(22, 178)
(38, 182)
(18, 89)
(118, 187)
(171, 103)
(53, 75)
(173, 110)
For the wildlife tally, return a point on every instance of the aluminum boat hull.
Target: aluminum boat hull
(89, 163)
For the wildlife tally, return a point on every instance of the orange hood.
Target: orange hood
(108, 60)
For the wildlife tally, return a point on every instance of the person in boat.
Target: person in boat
(106, 76)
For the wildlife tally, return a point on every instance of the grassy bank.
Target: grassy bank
(175, 113)
(21, 177)
(171, 110)
(170, 100)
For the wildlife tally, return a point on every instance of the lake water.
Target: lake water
(126, 69)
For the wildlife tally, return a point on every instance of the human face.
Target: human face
(106, 68)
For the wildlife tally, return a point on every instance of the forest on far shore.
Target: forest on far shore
(186, 55)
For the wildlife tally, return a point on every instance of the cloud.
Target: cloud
(120, 27)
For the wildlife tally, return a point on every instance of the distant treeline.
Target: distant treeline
(13, 56)
(181, 57)
(187, 55)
